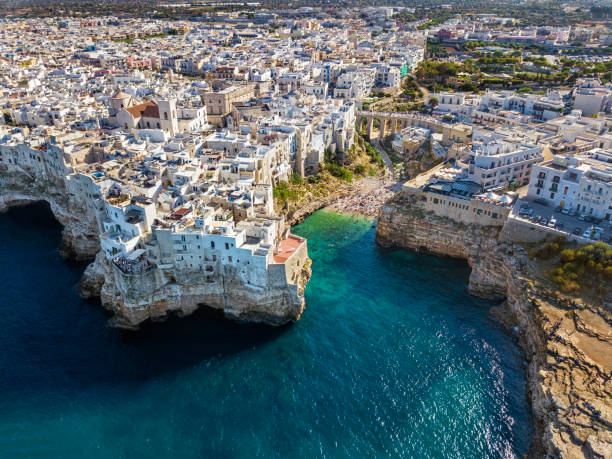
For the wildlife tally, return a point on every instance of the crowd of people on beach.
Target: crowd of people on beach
(366, 203)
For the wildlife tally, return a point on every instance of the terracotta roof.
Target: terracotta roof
(286, 248)
(148, 110)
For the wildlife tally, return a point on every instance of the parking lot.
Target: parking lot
(541, 214)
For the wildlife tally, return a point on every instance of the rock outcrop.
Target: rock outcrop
(568, 343)
(80, 233)
(275, 305)
(280, 302)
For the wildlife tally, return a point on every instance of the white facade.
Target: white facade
(582, 183)
(500, 163)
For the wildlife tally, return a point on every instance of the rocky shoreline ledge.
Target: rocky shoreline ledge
(567, 342)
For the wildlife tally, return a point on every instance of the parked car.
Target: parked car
(577, 231)
(581, 217)
(595, 235)
(552, 222)
(559, 225)
(536, 218)
(544, 221)
(565, 211)
(558, 209)
(572, 212)
(587, 233)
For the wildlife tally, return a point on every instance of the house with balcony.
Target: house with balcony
(582, 183)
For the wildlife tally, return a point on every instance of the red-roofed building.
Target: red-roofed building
(153, 114)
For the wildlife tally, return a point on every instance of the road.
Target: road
(383, 153)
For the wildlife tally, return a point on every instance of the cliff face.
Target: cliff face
(280, 302)
(277, 304)
(568, 345)
(80, 233)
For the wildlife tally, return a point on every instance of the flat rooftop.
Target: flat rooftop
(287, 248)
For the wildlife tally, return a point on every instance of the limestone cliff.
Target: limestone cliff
(80, 233)
(280, 302)
(568, 345)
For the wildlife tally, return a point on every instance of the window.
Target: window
(212, 244)
(552, 195)
(229, 259)
(226, 246)
(214, 257)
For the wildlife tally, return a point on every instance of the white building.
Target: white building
(502, 162)
(388, 76)
(582, 183)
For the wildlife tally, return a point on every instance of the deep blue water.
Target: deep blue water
(391, 358)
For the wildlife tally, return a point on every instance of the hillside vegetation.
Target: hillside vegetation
(577, 269)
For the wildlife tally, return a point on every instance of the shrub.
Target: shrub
(296, 179)
(283, 193)
(360, 169)
(588, 264)
(339, 172)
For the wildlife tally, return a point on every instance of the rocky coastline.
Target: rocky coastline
(279, 303)
(79, 235)
(275, 305)
(567, 342)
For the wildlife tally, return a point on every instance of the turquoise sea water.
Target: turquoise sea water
(392, 358)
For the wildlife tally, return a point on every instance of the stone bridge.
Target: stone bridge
(393, 122)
